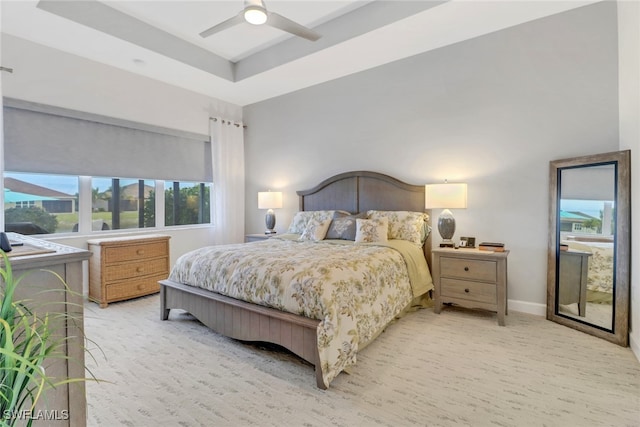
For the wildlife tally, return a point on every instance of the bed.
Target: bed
(324, 307)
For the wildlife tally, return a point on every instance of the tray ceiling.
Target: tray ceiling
(245, 63)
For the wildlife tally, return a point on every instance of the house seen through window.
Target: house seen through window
(40, 204)
(118, 203)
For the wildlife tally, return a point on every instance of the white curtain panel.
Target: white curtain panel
(227, 152)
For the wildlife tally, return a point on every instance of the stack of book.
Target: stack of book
(491, 246)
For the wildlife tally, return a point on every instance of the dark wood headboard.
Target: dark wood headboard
(360, 191)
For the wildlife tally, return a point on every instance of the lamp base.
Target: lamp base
(270, 222)
(446, 227)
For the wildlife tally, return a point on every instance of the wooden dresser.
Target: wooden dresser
(471, 278)
(122, 268)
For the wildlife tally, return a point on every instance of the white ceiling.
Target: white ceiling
(246, 64)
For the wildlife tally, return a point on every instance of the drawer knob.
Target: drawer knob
(466, 269)
(140, 251)
(467, 290)
(139, 269)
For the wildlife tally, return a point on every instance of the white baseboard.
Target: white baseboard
(528, 307)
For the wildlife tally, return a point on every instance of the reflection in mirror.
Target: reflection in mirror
(587, 220)
(589, 244)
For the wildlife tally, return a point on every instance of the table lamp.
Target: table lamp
(270, 200)
(446, 196)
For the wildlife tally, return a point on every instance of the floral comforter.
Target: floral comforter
(355, 290)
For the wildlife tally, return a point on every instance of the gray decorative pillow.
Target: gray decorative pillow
(344, 227)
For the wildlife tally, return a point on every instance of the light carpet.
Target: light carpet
(458, 368)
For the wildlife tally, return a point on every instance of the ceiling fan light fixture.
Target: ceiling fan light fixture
(255, 15)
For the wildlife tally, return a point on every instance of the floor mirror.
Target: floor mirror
(589, 244)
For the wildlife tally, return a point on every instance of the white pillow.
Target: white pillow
(315, 230)
(372, 230)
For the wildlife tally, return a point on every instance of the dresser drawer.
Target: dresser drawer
(464, 268)
(135, 251)
(133, 288)
(115, 272)
(474, 291)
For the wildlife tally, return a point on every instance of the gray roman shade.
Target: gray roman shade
(45, 139)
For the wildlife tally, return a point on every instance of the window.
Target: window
(186, 203)
(40, 203)
(26, 204)
(41, 139)
(46, 204)
(122, 203)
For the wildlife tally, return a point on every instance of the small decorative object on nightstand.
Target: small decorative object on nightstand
(471, 279)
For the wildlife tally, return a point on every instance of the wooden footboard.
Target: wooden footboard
(245, 321)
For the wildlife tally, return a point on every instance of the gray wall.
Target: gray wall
(492, 112)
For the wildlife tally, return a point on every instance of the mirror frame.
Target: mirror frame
(622, 245)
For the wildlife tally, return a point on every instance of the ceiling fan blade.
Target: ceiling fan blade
(278, 21)
(239, 18)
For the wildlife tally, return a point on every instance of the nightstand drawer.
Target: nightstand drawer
(475, 291)
(463, 268)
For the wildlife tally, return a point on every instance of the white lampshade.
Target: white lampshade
(269, 200)
(445, 196)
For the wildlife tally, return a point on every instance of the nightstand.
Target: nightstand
(471, 278)
(573, 269)
(257, 237)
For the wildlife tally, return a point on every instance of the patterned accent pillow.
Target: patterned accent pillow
(371, 230)
(344, 227)
(405, 225)
(315, 230)
(300, 219)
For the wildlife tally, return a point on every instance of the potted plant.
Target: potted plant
(27, 340)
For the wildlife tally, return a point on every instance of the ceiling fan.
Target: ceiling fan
(256, 13)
